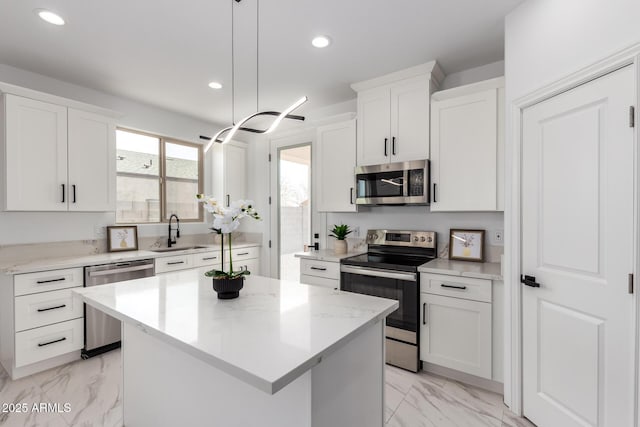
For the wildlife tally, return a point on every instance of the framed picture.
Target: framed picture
(466, 245)
(122, 238)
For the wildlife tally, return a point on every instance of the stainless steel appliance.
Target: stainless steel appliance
(393, 184)
(390, 270)
(102, 332)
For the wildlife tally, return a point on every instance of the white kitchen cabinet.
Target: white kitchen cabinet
(57, 158)
(41, 322)
(35, 140)
(456, 333)
(229, 172)
(92, 162)
(467, 146)
(334, 163)
(393, 115)
(321, 273)
(174, 263)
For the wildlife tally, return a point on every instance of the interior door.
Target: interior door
(578, 228)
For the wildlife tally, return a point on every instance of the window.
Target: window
(157, 177)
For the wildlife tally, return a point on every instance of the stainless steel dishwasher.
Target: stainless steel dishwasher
(102, 332)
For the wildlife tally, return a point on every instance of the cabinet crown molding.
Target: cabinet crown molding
(457, 91)
(431, 69)
(7, 88)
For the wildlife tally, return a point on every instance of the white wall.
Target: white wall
(548, 39)
(31, 227)
(474, 75)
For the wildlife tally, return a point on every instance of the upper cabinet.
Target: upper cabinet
(393, 115)
(467, 147)
(334, 161)
(230, 171)
(56, 158)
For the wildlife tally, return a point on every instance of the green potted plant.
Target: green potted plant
(340, 232)
(226, 220)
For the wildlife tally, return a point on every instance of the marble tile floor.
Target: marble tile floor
(93, 390)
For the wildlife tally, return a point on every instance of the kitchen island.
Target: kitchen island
(283, 354)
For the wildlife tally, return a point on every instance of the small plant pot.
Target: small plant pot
(340, 247)
(228, 288)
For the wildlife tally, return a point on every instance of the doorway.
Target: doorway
(293, 207)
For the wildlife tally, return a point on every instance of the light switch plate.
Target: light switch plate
(497, 237)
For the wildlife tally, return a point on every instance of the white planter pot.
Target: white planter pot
(340, 247)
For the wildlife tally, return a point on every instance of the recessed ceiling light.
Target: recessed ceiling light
(215, 85)
(321, 41)
(50, 17)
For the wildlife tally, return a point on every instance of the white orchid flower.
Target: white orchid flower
(226, 224)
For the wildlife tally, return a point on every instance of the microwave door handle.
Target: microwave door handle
(405, 183)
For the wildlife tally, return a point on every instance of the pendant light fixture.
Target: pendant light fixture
(225, 135)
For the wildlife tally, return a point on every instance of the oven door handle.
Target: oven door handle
(388, 274)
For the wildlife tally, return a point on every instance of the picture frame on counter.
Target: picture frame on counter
(121, 238)
(466, 245)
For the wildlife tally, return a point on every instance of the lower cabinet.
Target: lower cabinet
(243, 259)
(321, 273)
(456, 327)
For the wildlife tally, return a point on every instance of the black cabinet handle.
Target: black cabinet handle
(175, 263)
(228, 201)
(62, 279)
(319, 268)
(209, 258)
(424, 313)
(73, 187)
(434, 192)
(453, 286)
(385, 147)
(393, 145)
(40, 310)
(63, 193)
(243, 253)
(51, 342)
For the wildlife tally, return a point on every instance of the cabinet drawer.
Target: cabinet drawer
(50, 341)
(43, 281)
(456, 286)
(329, 270)
(173, 263)
(203, 259)
(45, 308)
(244, 253)
(319, 281)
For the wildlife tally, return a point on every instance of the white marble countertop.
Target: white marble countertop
(478, 270)
(269, 336)
(328, 255)
(45, 264)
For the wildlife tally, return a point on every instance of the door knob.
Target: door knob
(529, 281)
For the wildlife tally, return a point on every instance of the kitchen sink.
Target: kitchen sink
(178, 249)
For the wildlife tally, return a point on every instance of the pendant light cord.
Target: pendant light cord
(257, 55)
(233, 71)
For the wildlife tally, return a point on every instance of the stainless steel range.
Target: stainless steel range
(390, 270)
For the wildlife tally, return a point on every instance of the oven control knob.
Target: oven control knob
(429, 239)
(415, 239)
(375, 236)
(422, 239)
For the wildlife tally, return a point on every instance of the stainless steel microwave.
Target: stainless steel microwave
(404, 183)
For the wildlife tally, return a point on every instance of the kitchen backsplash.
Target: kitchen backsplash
(77, 248)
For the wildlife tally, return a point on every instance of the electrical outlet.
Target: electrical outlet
(356, 231)
(497, 237)
(99, 231)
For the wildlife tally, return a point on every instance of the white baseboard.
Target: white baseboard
(490, 385)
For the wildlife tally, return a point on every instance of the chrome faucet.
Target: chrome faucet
(177, 229)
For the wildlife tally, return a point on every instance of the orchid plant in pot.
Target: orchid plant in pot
(225, 221)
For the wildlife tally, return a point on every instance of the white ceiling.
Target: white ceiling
(164, 52)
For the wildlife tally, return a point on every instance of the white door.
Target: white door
(334, 162)
(92, 162)
(410, 120)
(464, 152)
(235, 173)
(374, 139)
(36, 155)
(577, 241)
